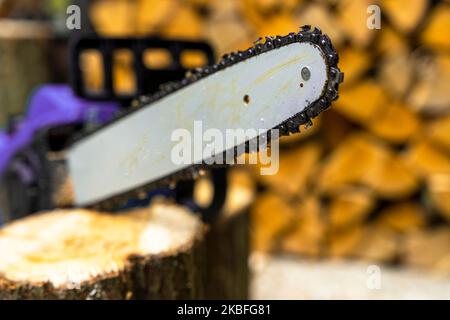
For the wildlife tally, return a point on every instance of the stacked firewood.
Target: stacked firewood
(371, 178)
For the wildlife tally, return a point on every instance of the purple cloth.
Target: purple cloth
(50, 106)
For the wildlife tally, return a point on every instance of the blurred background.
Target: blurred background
(367, 184)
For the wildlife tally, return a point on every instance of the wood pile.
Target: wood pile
(371, 178)
(372, 181)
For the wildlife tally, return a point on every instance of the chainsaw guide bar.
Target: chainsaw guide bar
(328, 94)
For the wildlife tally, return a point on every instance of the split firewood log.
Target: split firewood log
(350, 207)
(349, 162)
(394, 114)
(342, 243)
(257, 12)
(429, 94)
(185, 24)
(368, 243)
(363, 102)
(277, 25)
(391, 41)
(152, 15)
(402, 217)
(438, 186)
(355, 62)
(296, 167)
(220, 10)
(397, 71)
(392, 178)
(228, 34)
(378, 245)
(404, 18)
(270, 216)
(426, 159)
(338, 128)
(352, 16)
(434, 34)
(123, 23)
(433, 165)
(306, 234)
(428, 250)
(151, 253)
(226, 29)
(363, 159)
(438, 131)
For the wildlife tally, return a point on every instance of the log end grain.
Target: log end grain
(145, 253)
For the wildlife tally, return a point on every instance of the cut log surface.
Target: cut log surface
(150, 253)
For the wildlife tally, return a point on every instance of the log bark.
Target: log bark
(151, 253)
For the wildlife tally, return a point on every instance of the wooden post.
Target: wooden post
(227, 257)
(227, 242)
(24, 63)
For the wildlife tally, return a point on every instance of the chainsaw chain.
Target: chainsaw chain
(291, 125)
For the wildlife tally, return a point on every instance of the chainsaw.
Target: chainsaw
(124, 155)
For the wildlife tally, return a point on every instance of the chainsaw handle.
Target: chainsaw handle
(147, 79)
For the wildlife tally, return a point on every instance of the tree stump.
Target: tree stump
(151, 253)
